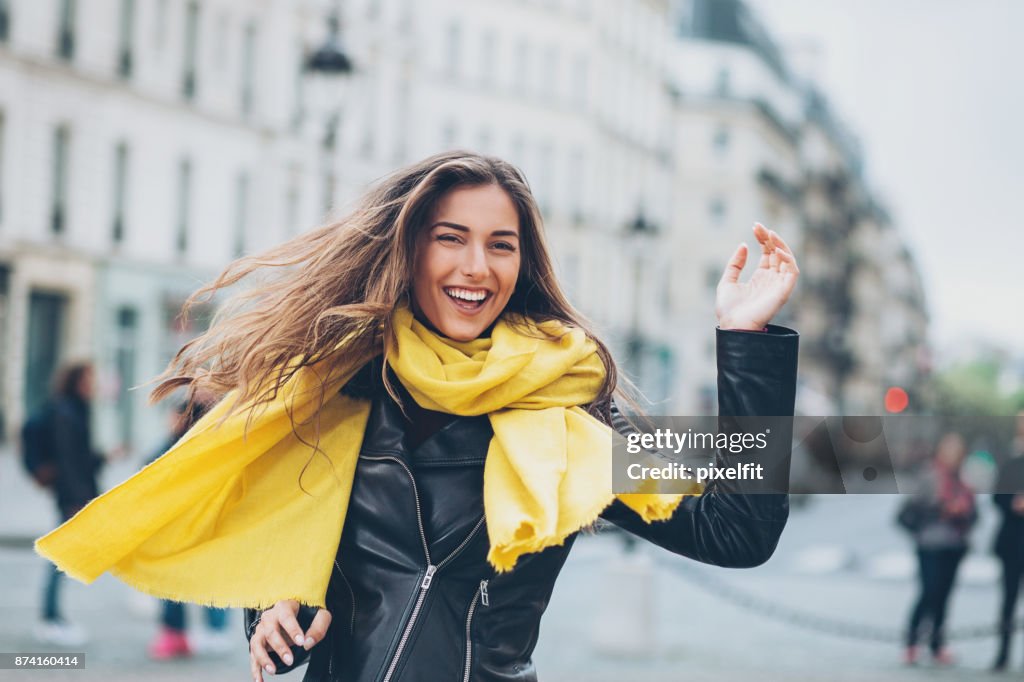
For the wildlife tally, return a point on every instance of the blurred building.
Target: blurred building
(572, 91)
(144, 144)
(737, 159)
(756, 141)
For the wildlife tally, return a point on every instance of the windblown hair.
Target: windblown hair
(342, 281)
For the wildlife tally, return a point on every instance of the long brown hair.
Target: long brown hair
(344, 280)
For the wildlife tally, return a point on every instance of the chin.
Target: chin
(461, 332)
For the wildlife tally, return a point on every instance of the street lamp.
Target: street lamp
(327, 66)
(330, 59)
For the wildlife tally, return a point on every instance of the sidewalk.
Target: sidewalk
(697, 635)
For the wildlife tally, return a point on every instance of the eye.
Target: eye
(448, 237)
(505, 246)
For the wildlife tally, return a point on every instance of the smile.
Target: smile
(467, 299)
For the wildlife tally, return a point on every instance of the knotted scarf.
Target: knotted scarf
(241, 512)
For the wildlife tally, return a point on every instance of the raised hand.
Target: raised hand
(752, 304)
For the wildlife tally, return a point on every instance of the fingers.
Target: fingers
(779, 241)
(258, 653)
(735, 265)
(281, 646)
(287, 622)
(787, 262)
(317, 630)
(254, 668)
(764, 238)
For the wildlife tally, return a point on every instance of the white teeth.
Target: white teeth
(467, 295)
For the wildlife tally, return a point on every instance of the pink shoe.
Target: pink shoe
(943, 657)
(910, 655)
(169, 644)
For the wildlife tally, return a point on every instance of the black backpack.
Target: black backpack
(37, 446)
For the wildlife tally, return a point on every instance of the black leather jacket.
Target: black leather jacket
(412, 596)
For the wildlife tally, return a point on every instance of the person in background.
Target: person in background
(76, 467)
(1009, 545)
(172, 642)
(947, 512)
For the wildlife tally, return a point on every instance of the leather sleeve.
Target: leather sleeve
(731, 524)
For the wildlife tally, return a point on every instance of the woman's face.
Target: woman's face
(86, 385)
(952, 451)
(467, 261)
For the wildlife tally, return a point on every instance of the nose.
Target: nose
(474, 262)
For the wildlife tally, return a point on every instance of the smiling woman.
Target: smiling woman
(416, 424)
(467, 261)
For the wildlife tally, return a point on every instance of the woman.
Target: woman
(76, 467)
(1009, 543)
(946, 511)
(453, 411)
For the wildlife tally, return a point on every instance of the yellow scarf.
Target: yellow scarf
(222, 518)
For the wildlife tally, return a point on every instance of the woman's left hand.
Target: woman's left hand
(752, 304)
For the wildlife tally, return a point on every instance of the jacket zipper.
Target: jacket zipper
(352, 594)
(428, 577)
(483, 598)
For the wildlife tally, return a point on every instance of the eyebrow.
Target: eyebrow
(463, 228)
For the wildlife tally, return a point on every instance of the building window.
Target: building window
(721, 139)
(449, 135)
(517, 150)
(184, 205)
(248, 69)
(5, 20)
(717, 210)
(120, 191)
(293, 203)
(160, 24)
(3, 122)
(520, 65)
(723, 81)
(484, 141)
(241, 213)
(66, 30)
(298, 90)
(126, 346)
(712, 276)
(223, 31)
(188, 80)
(488, 48)
(59, 190)
(579, 81)
(575, 177)
(545, 177)
(550, 72)
(453, 46)
(125, 39)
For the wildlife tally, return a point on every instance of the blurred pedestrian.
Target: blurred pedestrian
(1009, 545)
(172, 641)
(943, 512)
(76, 466)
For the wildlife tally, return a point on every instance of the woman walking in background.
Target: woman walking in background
(1009, 545)
(945, 512)
(76, 465)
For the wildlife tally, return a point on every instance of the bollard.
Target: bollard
(626, 623)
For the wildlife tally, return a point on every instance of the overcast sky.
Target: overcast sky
(934, 90)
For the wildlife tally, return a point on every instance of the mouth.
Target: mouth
(468, 300)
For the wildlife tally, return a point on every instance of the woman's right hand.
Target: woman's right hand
(277, 630)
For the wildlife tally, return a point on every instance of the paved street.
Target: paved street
(840, 558)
